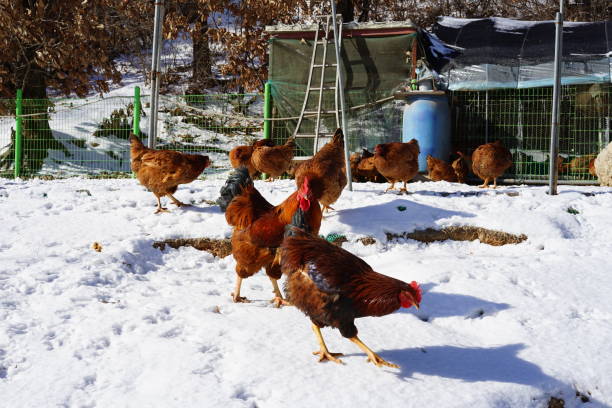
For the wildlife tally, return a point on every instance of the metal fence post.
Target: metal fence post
(136, 113)
(155, 74)
(267, 128)
(18, 132)
(340, 89)
(553, 174)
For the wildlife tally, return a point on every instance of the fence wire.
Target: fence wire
(521, 118)
(89, 137)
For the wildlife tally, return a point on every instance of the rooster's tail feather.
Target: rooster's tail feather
(238, 179)
(298, 222)
(338, 136)
(136, 145)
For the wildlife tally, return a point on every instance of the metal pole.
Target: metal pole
(18, 132)
(340, 90)
(553, 175)
(157, 36)
(267, 128)
(136, 114)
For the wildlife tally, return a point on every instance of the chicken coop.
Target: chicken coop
(498, 74)
(377, 60)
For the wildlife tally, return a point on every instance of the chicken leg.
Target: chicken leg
(278, 298)
(159, 206)
(485, 184)
(372, 356)
(392, 187)
(324, 354)
(404, 189)
(327, 208)
(236, 293)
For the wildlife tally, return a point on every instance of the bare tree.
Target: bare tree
(61, 44)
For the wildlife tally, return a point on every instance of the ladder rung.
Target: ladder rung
(315, 112)
(313, 135)
(324, 65)
(324, 88)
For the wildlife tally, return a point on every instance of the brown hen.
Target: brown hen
(439, 170)
(579, 164)
(461, 167)
(489, 161)
(363, 168)
(397, 161)
(161, 171)
(328, 166)
(241, 155)
(273, 161)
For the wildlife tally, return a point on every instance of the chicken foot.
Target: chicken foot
(324, 354)
(392, 187)
(486, 183)
(327, 208)
(236, 293)
(159, 206)
(372, 356)
(177, 202)
(278, 298)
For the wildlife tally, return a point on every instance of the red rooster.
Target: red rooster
(259, 226)
(334, 287)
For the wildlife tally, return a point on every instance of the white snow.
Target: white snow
(133, 326)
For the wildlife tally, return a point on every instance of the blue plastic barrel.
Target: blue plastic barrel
(427, 119)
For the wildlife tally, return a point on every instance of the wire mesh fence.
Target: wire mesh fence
(521, 118)
(89, 137)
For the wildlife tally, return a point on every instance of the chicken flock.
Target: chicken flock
(327, 283)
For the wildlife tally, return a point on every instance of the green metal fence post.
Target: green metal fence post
(18, 132)
(267, 127)
(136, 118)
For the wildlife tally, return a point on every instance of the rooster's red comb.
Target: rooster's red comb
(417, 289)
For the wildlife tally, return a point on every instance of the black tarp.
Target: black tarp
(496, 52)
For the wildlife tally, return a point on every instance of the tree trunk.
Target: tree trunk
(347, 9)
(202, 62)
(364, 14)
(37, 135)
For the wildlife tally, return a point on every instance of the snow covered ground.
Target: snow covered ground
(133, 326)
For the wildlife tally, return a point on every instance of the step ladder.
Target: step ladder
(326, 32)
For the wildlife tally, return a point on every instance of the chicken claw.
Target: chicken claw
(279, 301)
(325, 355)
(485, 184)
(372, 356)
(177, 202)
(240, 299)
(378, 360)
(159, 206)
(327, 208)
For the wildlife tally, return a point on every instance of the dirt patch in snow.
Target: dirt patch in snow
(218, 247)
(461, 233)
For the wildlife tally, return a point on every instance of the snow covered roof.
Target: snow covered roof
(384, 27)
